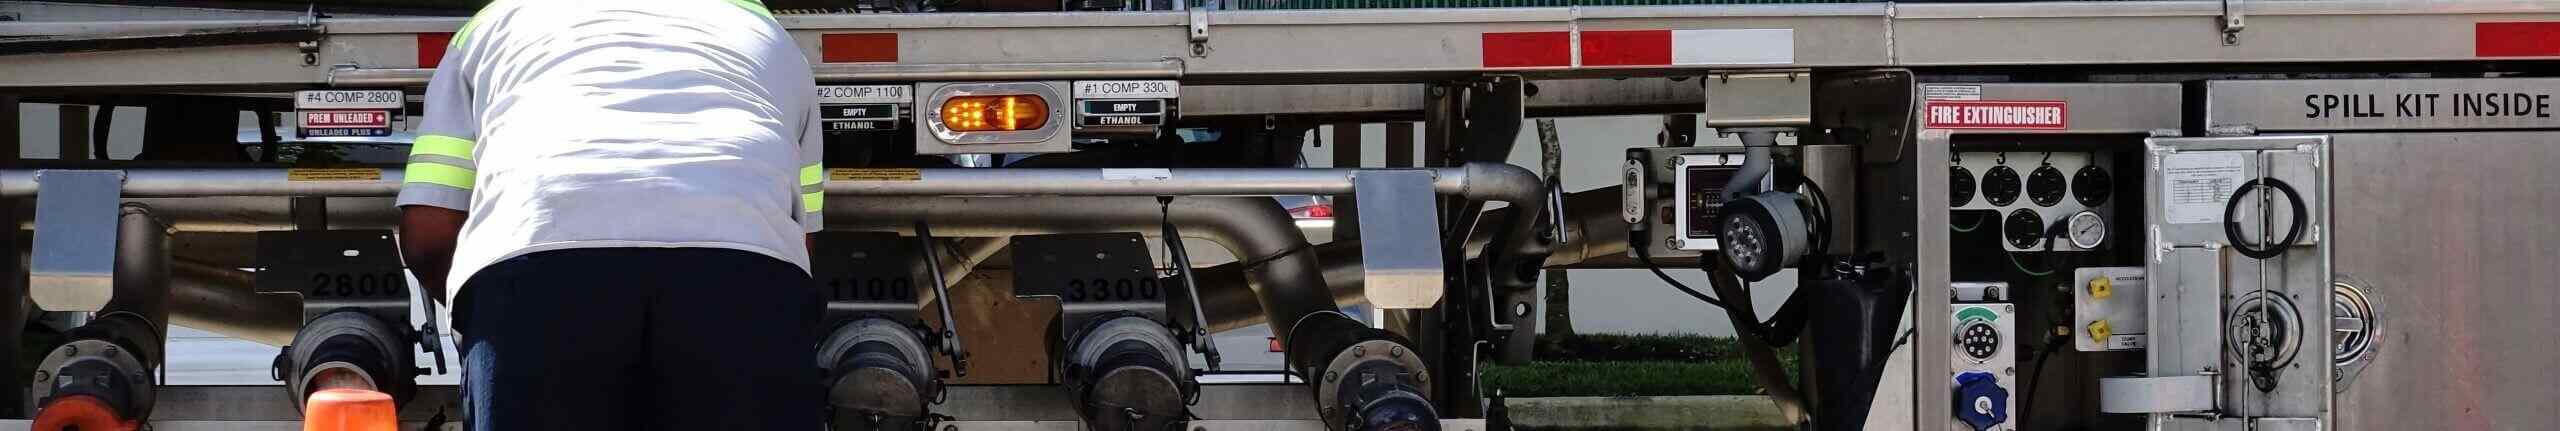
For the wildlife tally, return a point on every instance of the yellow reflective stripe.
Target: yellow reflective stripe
(441, 145)
(463, 33)
(439, 174)
(813, 178)
(753, 6)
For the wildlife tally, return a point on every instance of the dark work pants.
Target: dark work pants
(640, 338)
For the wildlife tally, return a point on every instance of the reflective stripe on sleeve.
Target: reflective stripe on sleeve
(439, 174)
(813, 192)
(441, 145)
(753, 6)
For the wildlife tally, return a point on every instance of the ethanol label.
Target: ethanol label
(1162, 89)
(1123, 120)
(861, 125)
(835, 94)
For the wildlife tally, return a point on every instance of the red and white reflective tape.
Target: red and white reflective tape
(858, 48)
(1638, 48)
(431, 48)
(2516, 39)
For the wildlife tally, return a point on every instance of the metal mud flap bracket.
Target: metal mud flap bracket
(356, 325)
(2239, 266)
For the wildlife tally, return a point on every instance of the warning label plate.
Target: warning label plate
(333, 174)
(874, 175)
(2196, 186)
(1998, 114)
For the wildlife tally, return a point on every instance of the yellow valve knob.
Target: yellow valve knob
(2101, 288)
(2099, 330)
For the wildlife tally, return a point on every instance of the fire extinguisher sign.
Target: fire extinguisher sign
(1998, 114)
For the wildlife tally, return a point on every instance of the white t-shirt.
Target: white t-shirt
(561, 124)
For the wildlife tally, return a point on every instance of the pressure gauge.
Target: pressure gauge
(2085, 229)
(2024, 229)
(2091, 185)
(2000, 186)
(1960, 186)
(2045, 186)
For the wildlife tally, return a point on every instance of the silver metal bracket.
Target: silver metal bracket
(2226, 130)
(2232, 22)
(1199, 32)
(1400, 253)
(1759, 99)
(310, 48)
(76, 215)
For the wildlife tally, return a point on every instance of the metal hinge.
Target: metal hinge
(2232, 22)
(310, 48)
(1199, 32)
(2228, 130)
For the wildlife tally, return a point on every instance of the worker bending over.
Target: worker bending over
(618, 195)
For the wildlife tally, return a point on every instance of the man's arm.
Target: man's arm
(435, 188)
(426, 240)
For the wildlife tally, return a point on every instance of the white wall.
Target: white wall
(40, 138)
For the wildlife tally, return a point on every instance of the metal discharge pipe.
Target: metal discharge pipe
(224, 301)
(1513, 185)
(142, 268)
(1286, 283)
(101, 376)
(1591, 218)
(1482, 181)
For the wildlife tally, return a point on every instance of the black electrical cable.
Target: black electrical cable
(1977, 223)
(1635, 242)
(2231, 221)
(2027, 403)
(1822, 213)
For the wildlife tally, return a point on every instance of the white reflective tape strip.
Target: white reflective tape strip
(1734, 46)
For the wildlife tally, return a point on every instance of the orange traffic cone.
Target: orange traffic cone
(349, 410)
(80, 412)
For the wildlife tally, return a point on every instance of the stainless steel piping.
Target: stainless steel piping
(199, 182)
(1480, 181)
(142, 268)
(1591, 216)
(225, 301)
(255, 213)
(1287, 281)
(1282, 285)
(1229, 300)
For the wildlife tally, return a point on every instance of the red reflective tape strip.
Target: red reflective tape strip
(2516, 39)
(431, 48)
(1626, 48)
(1528, 49)
(858, 48)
